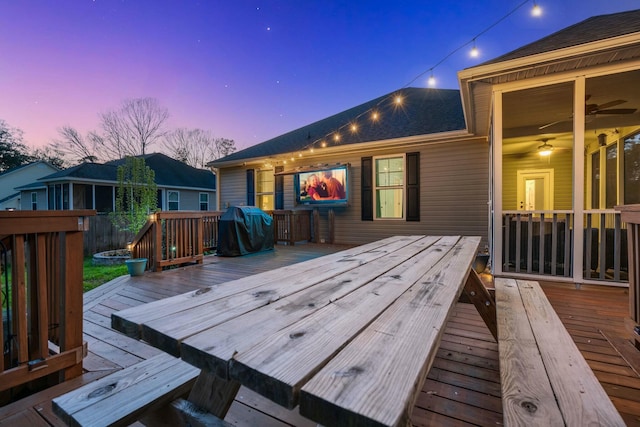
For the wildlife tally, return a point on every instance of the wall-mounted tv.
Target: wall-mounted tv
(322, 186)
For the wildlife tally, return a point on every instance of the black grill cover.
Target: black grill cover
(243, 230)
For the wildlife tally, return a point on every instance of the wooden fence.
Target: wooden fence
(104, 236)
(41, 281)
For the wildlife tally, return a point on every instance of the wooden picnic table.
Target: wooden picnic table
(350, 337)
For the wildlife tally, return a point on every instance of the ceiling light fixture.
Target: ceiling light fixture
(545, 149)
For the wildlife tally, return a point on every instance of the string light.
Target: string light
(474, 50)
(396, 99)
(536, 11)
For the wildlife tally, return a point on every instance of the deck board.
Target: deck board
(462, 388)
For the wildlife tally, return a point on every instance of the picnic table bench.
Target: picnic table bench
(351, 336)
(545, 379)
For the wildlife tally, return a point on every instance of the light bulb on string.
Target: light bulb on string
(536, 10)
(431, 82)
(474, 50)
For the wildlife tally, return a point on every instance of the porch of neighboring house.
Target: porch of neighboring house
(463, 386)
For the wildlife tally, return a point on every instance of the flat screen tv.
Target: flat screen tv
(323, 186)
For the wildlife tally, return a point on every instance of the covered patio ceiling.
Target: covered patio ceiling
(545, 113)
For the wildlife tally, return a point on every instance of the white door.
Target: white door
(535, 190)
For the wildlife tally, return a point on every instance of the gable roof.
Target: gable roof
(422, 111)
(27, 165)
(169, 172)
(590, 30)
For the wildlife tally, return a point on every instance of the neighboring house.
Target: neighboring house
(93, 185)
(10, 180)
(469, 162)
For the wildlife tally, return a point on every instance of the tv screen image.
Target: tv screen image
(322, 186)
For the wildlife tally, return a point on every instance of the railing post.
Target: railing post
(316, 226)
(200, 237)
(157, 243)
(19, 299)
(71, 300)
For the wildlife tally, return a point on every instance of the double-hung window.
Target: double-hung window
(389, 187)
(204, 201)
(173, 200)
(265, 189)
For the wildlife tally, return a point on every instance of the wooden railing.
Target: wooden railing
(291, 226)
(537, 242)
(630, 214)
(176, 238)
(181, 237)
(541, 243)
(41, 281)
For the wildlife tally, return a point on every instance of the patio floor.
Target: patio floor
(462, 388)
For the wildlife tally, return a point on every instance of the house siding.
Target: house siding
(454, 185)
(190, 199)
(25, 199)
(562, 164)
(23, 175)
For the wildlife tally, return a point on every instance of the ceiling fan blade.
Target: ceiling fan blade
(610, 104)
(551, 124)
(617, 111)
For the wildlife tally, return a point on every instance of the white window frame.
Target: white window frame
(169, 201)
(200, 201)
(34, 200)
(265, 193)
(402, 187)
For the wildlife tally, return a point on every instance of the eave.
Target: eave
(475, 83)
(406, 142)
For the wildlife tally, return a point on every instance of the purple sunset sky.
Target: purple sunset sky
(245, 70)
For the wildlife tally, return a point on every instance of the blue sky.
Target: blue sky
(246, 70)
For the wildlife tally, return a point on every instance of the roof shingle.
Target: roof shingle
(590, 30)
(422, 111)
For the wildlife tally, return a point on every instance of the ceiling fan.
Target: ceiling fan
(594, 109)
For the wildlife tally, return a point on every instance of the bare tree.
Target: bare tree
(74, 148)
(196, 147)
(132, 128)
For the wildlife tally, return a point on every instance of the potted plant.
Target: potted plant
(136, 266)
(136, 198)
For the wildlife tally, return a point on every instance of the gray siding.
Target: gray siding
(454, 193)
(190, 199)
(25, 199)
(232, 185)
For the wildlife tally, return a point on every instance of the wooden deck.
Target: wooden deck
(463, 386)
